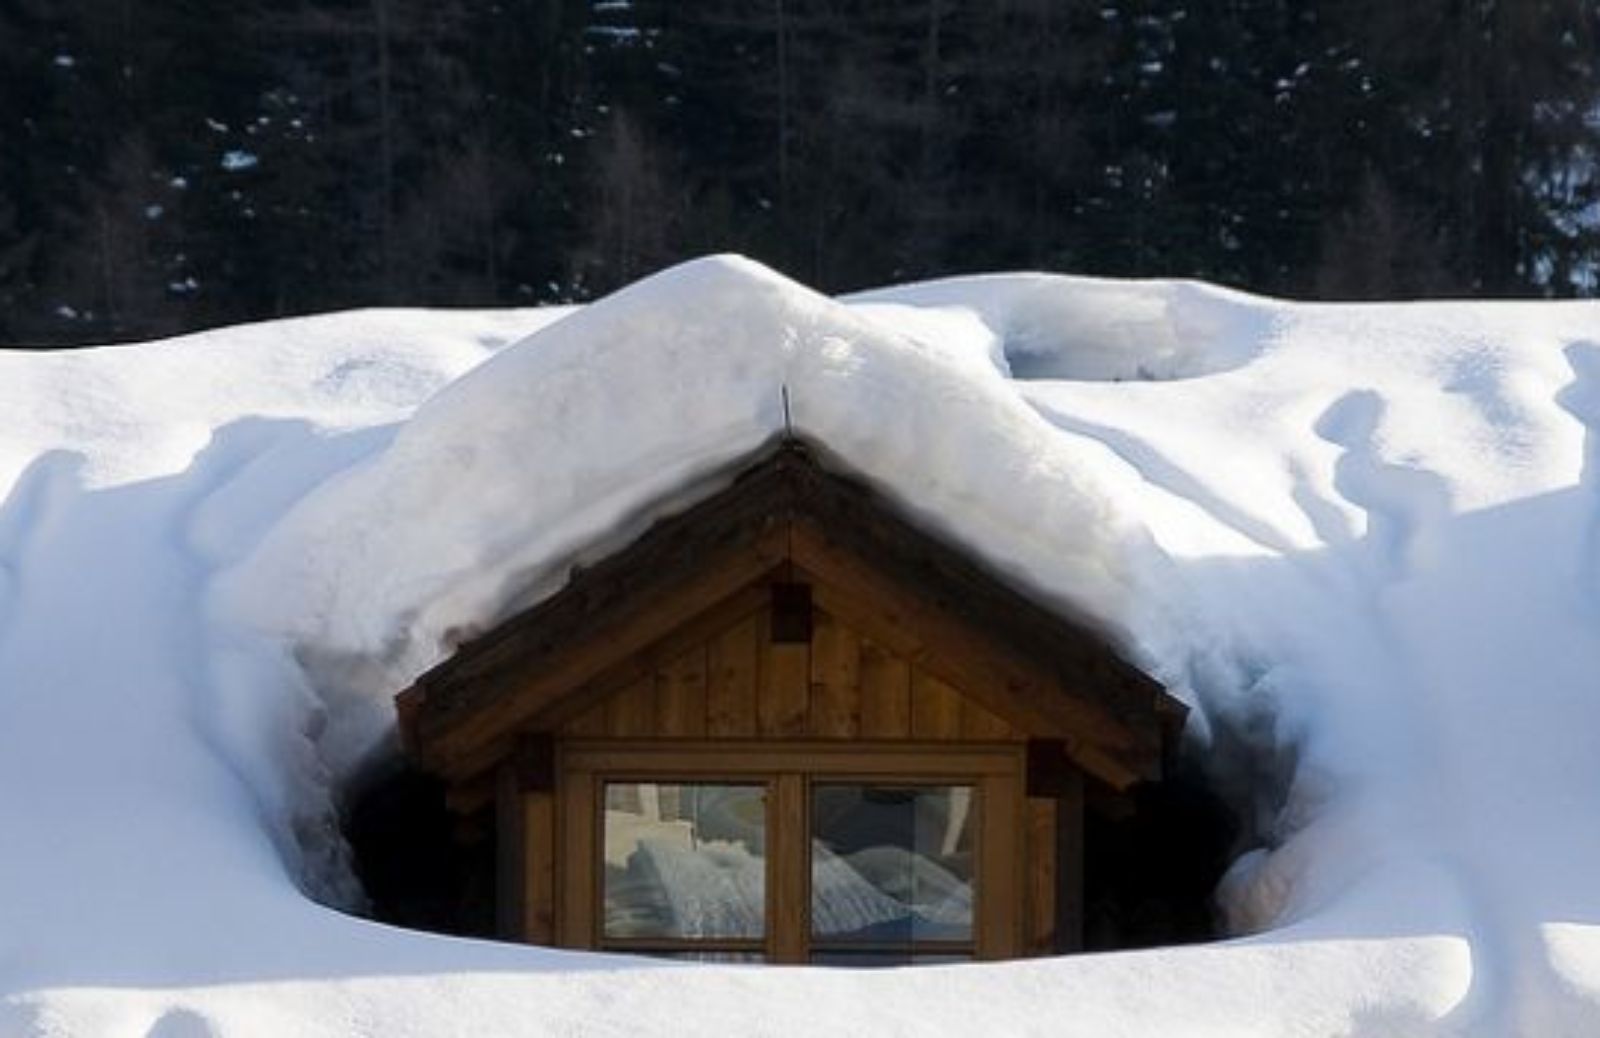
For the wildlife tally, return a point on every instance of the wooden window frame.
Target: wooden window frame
(789, 769)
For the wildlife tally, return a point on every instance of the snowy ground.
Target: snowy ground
(1363, 540)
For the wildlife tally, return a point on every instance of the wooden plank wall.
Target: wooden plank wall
(839, 685)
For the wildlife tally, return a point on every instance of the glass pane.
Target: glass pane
(892, 863)
(684, 860)
(872, 959)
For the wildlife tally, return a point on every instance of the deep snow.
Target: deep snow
(1363, 540)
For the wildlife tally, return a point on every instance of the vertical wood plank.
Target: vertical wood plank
(784, 687)
(935, 707)
(1069, 865)
(885, 693)
(1041, 876)
(510, 869)
(732, 666)
(681, 695)
(979, 725)
(633, 710)
(539, 856)
(835, 679)
(788, 876)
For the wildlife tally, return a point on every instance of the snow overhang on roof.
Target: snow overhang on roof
(561, 448)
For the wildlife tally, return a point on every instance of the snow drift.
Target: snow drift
(1363, 540)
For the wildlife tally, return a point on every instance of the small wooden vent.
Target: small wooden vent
(791, 614)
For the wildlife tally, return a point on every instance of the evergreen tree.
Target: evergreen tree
(189, 163)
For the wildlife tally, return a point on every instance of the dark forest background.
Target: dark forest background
(172, 165)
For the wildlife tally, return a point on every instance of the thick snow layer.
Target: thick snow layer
(1363, 540)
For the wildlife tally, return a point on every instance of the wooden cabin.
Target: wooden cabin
(788, 725)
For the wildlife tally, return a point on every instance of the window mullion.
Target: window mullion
(788, 894)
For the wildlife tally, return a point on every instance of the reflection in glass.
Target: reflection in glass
(684, 860)
(892, 863)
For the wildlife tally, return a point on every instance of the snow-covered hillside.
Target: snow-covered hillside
(1364, 541)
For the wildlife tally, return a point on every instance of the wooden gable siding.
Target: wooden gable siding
(740, 683)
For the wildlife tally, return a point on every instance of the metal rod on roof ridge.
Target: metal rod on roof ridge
(788, 419)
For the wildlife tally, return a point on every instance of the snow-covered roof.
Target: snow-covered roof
(786, 513)
(1364, 541)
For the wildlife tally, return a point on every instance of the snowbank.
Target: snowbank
(1363, 540)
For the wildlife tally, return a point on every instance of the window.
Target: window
(892, 876)
(684, 868)
(802, 854)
